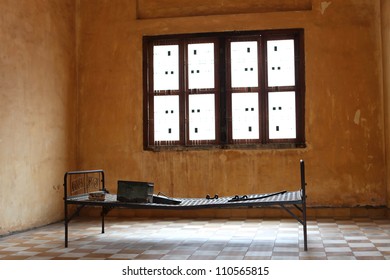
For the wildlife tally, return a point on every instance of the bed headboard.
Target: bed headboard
(83, 182)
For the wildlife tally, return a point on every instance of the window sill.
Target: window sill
(270, 146)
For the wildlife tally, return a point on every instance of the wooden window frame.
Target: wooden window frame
(223, 90)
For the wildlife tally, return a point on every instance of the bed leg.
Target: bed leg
(103, 219)
(303, 189)
(304, 228)
(66, 230)
(66, 210)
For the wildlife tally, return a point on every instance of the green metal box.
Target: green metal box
(133, 191)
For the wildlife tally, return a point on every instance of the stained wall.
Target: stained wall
(37, 110)
(344, 115)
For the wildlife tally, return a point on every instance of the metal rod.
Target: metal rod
(76, 212)
(299, 208)
(66, 223)
(103, 182)
(103, 210)
(292, 214)
(65, 211)
(303, 186)
(84, 171)
(258, 197)
(103, 213)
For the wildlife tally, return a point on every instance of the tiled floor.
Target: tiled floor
(203, 239)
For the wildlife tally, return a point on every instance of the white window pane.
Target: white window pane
(201, 65)
(202, 116)
(244, 72)
(280, 59)
(281, 111)
(245, 115)
(166, 67)
(166, 118)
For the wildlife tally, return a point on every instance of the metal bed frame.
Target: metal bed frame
(84, 184)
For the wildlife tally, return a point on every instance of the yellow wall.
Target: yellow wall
(345, 154)
(71, 97)
(37, 93)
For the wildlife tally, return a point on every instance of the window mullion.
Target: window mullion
(300, 87)
(223, 93)
(183, 97)
(263, 108)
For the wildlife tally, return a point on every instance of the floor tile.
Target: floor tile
(203, 239)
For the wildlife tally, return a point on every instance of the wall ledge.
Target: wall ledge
(159, 9)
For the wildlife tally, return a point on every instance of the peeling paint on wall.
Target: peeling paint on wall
(324, 6)
(356, 119)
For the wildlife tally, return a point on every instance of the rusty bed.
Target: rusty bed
(79, 184)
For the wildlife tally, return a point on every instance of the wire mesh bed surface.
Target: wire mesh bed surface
(93, 180)
(195, 203)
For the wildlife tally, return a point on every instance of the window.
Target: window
(224, 90)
